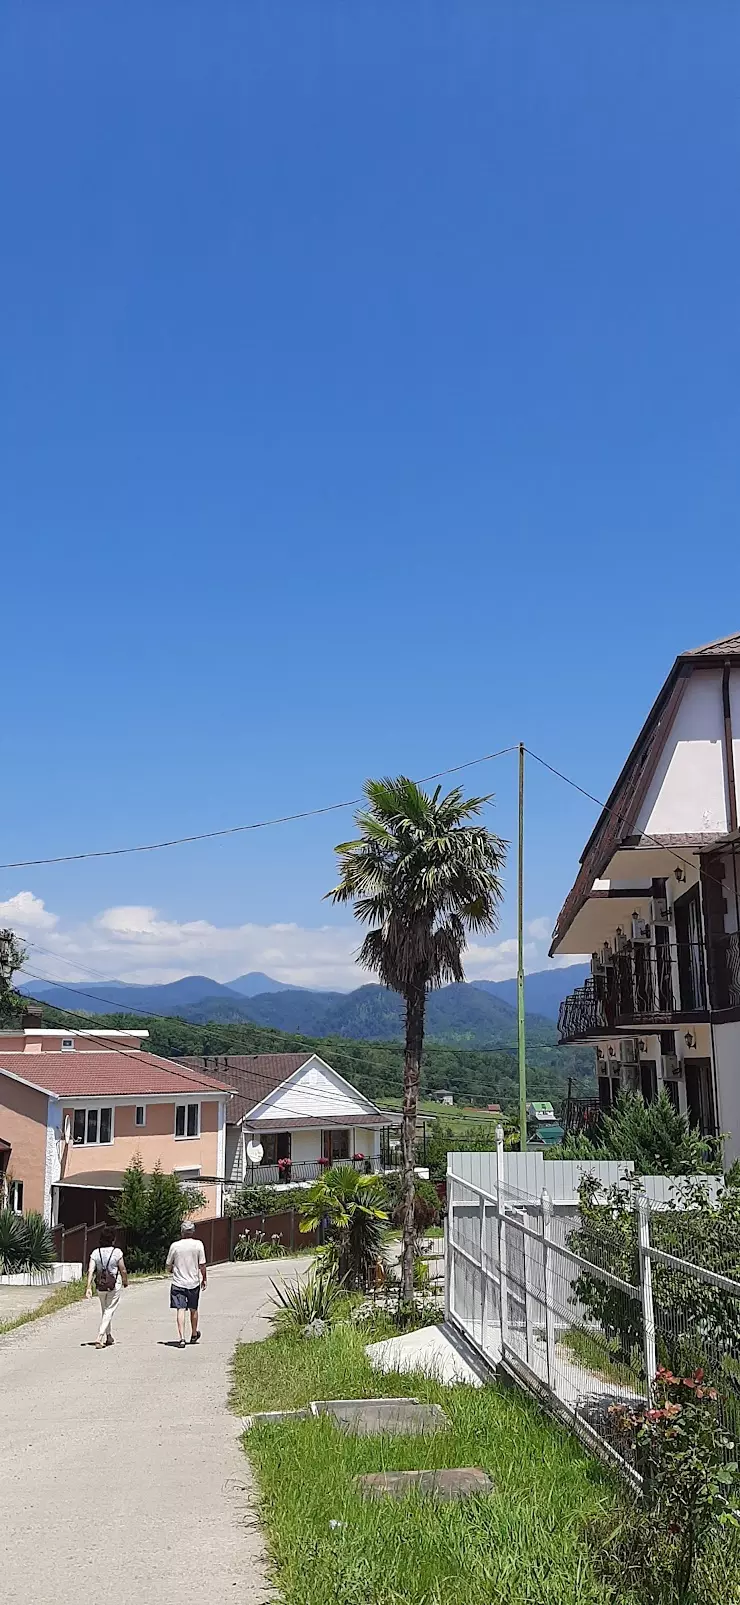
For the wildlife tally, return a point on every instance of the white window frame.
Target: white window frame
(68, 1045)
(188, 1136)
(139, 1124)
(186, 1173)
(87, 1109)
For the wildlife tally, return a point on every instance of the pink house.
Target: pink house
(77, 1106)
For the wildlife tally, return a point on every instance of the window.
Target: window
(187, 1120)
(140, 1115)
(336, 1145)
(92, 1126)
(187, 1172)
(68, 1044)
(15, 1196)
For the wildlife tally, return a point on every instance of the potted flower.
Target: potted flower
(323, 1161)
(284, 1169)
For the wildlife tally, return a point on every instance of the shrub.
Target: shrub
(253, 1200)
(427, 1206)
(26, 1244)
(255, 1245)
(656, 1136)
(314, 1299)
(690, 1485)
(151, 1209)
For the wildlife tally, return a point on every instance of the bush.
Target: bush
(351, 1208)
(317, 1298)
(690, 1485)
(427, 1206)
(151, 1210)
(251, 1200)
(26, 1244)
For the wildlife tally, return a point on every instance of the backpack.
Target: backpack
(105, 1278)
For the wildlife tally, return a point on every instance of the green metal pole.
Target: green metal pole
(521, 1038)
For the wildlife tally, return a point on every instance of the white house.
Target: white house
(657, 903)
(300, 1112)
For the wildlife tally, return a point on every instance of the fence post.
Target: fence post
(546, 1203)
(503, 1288)
(646, 1292)
(231, 1238)
(483, 1276)
(84, 1251)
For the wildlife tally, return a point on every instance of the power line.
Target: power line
(235, 830)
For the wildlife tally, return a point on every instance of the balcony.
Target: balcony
(648, 986)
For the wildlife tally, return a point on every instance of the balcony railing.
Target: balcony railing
(644, 984)
(307, 1170)
(724, 972)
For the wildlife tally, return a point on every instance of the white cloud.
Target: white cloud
(139, 944)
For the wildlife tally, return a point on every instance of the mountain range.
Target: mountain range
(477, 1014)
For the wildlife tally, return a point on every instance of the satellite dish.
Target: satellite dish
(67, 1128)
(255, 1151)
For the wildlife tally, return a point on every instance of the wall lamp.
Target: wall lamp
(690, 1039)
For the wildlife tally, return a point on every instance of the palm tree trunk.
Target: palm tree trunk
(415, 1007)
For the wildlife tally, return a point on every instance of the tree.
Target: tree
(152, 1209)
(12, 958)
(353, 1208)
(655, 1136)
(422, 876)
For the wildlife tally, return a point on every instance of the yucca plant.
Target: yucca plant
(26, 1243)
(300, 1303)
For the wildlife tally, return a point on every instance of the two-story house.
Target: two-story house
(77, 1106)
(657, 903)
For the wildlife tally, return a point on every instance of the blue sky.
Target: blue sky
(370, 402)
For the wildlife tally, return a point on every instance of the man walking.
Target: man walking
(186, 1263)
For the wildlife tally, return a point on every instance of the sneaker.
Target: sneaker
(110, 1340)
(182, 1344)
(195, 1337)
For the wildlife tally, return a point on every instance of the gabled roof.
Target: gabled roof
(107, 1074)
(251, 1076)
(617, 818)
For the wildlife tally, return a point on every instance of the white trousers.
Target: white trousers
(108, 1305)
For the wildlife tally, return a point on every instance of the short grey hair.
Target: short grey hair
(187, 1226)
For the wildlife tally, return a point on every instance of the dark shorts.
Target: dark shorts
(184, 1298)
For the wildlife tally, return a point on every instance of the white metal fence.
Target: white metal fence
(583, 1306)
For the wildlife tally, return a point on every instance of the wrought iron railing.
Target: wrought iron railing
(644, 984)
(724, 972)
(306, 1170)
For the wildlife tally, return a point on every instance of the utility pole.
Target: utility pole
(521, 1038)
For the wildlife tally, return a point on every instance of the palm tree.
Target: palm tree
(355, 1209)
(422, 876)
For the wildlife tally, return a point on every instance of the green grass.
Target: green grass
(597, 1354)
(526, 1544)
(62, 1295)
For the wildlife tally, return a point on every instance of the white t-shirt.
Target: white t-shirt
(184, 1261)
(107, 1259)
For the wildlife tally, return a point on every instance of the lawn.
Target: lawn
(526, 1544)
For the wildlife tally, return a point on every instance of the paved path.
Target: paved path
(121, 1475)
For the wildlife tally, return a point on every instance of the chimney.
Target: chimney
(32, 1018)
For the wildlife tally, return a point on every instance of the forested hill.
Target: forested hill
(375, 1067)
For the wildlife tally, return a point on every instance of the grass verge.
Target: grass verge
(63, 1294)
(526, 1544)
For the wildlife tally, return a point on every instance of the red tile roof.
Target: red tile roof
(107, 1074)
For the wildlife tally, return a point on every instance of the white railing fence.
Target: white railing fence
(582, 1310)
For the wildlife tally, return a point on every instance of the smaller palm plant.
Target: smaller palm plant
(352, 1209)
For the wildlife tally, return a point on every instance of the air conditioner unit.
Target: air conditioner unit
(641, 930)
(598, 965)
(628, 1051)
(660, 913)
(670, 1066)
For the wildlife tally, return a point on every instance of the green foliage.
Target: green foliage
(352, 1209)
(12, 957)
(151, 1209)
(317, 1298)
(26, 1243)
(690, 1487)
(427, 1206)
(251, 1199)
(657, 1137)
(255, 1245)
(697, 1323)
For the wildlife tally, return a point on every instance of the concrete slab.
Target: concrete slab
(436, 1351)
(273, 1418)
(368, 1417)
(462, 1482)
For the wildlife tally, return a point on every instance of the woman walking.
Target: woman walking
(107, 1269)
